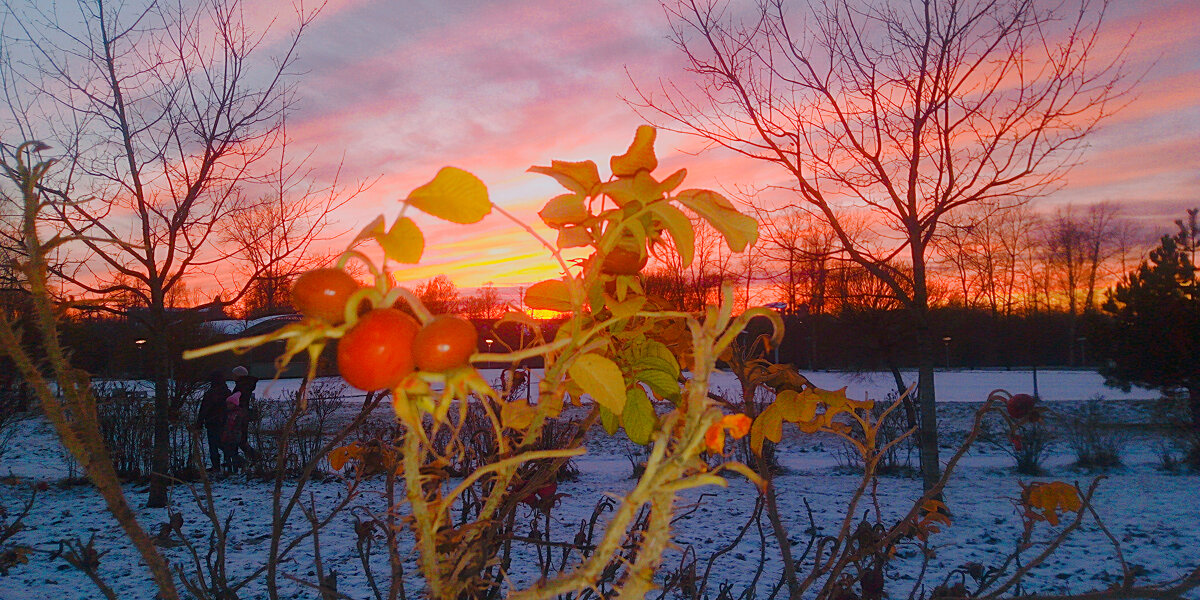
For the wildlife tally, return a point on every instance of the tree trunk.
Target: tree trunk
(161, 452)
(930, 467)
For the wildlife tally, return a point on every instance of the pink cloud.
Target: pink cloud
(402, 90)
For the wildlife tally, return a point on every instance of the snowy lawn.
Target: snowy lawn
(1154, 514)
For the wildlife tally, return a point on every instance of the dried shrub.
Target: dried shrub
(897, 460)
(269, 418)
(126, 418)
(1098, 442)
(1029, 444)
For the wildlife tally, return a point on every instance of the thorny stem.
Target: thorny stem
(79, 432)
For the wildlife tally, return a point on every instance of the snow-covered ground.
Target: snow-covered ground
(952, 385)
(1153, 513)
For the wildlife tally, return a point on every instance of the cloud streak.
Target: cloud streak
(401, 89)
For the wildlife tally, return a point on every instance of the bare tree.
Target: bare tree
(1078, 250)
(484, 304)
(801, 249)
(693, 286)
(906, 110)
(440, 295)
(983, 245)
(170, 117)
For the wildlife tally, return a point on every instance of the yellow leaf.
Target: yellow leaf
(517, 415)
(579, 177)
(454, 195)
(340, 455)
(671, 182)
(680, 228)
(639, 156)
(403, 242)
(601, 379)
(567, 209)
(640, 187)
(573, 237)
(514, 316)
(639, 417)
(738, 425)
(626, 309)
(552, 294)
(374, 229)
(739, 230)
(768, 425)
(1052, 496)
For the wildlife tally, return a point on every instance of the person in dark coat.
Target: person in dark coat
(212, 416)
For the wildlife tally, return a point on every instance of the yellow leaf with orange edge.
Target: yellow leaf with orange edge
(737, 425)
(567, 209)
(1051, 497)
(579, 177)
(454, 195)
(552, 294)
(639, 156)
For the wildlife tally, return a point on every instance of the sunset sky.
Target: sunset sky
(400, 89)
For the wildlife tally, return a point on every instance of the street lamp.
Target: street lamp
(946, 342)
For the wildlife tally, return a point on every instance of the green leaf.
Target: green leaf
(660, 351)
(680, 228)
(454, 195)
(552, 294)
(661, 382)
(739, 230)
(609, 421)
(579, 177)
(639, 156)
(601, 379)
(567, 209)
(639, 417)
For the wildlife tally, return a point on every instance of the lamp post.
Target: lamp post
(1082, 350)
(946, 342)
(140, 344)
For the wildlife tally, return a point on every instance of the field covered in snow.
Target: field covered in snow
(1152, 512)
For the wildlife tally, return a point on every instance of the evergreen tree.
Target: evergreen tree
(1150, 335)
